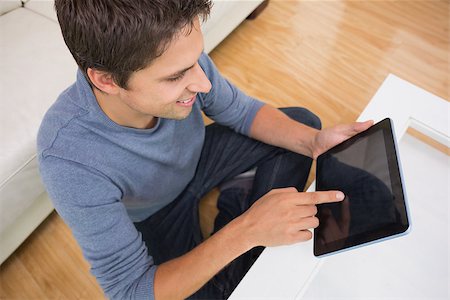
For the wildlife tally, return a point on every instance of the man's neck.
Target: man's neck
(121, 114)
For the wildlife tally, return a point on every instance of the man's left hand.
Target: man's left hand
(329, 137)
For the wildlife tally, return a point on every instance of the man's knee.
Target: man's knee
(303, 116)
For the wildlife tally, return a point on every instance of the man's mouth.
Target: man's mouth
(187, 102)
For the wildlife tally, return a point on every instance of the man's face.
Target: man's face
(168, 87)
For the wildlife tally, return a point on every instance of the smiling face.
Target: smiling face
(167, 88)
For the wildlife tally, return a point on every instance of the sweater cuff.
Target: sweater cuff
(145, 289)
(255, 106)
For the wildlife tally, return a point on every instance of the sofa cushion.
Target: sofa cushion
(9, 5)
(44, 8)
(35, 67)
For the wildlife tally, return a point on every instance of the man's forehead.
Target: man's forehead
(183, 52)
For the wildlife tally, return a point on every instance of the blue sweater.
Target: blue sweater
(102, 177)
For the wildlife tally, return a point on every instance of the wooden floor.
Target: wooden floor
(329, 56)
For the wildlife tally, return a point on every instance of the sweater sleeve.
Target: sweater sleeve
(90, 205)
(225, 103)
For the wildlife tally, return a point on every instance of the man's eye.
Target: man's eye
(176, 78)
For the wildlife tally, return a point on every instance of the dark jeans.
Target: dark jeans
(175, 229)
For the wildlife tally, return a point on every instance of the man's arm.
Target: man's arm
(273, 127)
(281, 217)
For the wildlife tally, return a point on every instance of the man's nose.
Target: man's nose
(200, 83)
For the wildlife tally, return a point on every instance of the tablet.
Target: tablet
(366, 168)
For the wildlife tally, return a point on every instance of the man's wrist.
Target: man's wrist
(238, 230)
(307, 141)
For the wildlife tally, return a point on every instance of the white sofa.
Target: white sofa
(35, 66)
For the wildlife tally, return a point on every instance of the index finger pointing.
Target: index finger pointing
(324, 197)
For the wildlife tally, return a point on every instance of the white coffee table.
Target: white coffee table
(415, 266)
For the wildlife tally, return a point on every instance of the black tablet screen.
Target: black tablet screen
(365, 168)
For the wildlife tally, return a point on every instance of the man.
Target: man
(125, 156)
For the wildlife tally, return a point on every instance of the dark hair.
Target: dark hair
(123, 36)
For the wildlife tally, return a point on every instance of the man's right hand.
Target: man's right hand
(284, 216)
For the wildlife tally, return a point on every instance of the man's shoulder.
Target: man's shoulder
(207, 65)
(59, 117)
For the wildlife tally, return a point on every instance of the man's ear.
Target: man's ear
(103, 81)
